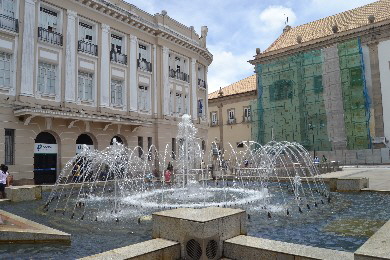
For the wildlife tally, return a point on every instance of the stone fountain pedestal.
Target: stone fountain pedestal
(200, 232)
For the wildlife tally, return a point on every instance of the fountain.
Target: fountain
(119, 182)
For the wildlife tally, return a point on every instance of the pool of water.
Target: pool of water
(344, 224)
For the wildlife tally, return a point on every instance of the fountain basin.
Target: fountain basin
(16, 229)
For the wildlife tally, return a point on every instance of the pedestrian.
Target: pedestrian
(167, 175)
(316, 160)
(246, 163)
(324, 159)
(3, 180)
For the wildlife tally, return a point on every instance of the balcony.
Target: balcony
(144, 65)
(202, 83)
(118, 57)
(179, 75)
(50, 36)
(231, 121)
(247, 119)
(88, 47)
(9, 23)
(213, 123)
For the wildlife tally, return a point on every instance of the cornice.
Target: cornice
(364, 32)
(130, 18)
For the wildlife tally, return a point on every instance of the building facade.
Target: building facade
(230, 115)
(85, 72)
(325, 84)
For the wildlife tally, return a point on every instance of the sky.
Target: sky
(237, 27)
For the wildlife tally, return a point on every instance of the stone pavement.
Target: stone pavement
(379, 177)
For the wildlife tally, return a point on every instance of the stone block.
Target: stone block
(24, 193)
(352, 184)
(377, 246)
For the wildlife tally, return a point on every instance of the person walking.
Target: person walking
(3, 180)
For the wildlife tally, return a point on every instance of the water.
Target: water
(344, 225)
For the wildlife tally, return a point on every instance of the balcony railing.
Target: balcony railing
(9, 23)
(246, 119)
(213, 123)
(50, 36)
(88, 47)
(202, 83)
(118, 57)
(179, 75)
(231, 121)
(144, 65)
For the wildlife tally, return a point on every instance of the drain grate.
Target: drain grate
(194, 251)
(211, 249)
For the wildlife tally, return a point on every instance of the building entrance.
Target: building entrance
(45, 158)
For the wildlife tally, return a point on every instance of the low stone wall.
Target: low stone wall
(16, 229)
(347, 184)
(151, 249)
(354, 157)
(377, 246)
(253, 248)
(24, 193)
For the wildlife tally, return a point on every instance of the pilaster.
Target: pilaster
(105, 67)
(155, 91)
(28, 50)
(133, 106)
(70, 66)
(165, 76)
(194, 87)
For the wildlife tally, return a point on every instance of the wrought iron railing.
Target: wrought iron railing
(9, 23)
(179, 75)
(231, 121)
(50, 36)
(118, 57)
(144, 65)
(88, 47)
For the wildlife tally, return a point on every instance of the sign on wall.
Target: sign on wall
(45, 148)
(79, 147)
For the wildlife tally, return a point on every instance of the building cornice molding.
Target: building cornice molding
(153, 28)
(365, 32)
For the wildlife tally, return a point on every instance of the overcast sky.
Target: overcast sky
(238, 27)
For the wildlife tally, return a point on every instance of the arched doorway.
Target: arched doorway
(118, 139)
(84, 139)
(45, 158)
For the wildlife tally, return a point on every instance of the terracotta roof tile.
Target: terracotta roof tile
(345, 21)
(242, 86)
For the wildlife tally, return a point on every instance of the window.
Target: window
(143, 52)
(116, 92)
(171, 103)
(173, 148)
(9, 146)
(7, 8)
(7, 18)
(5, 69)
(318, 88)
(179, 103)
(47, 78)
(214, 118)
(140, 146)
(200, 108)
(247, 114)
(48, 19)
(149, 148)
(85, 32)
(281, 90)
(116, 43)
(143, 98)
(85, 86)
(231, 117)
(185, 104)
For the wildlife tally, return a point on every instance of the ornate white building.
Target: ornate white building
(78, 72)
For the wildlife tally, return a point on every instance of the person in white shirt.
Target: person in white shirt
(3, 180)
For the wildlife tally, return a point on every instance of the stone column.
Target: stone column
(70, 66)
(133, 106)
(194, 87)
(28, 49)
(165, 76)
(105, 67)
(376, 90)
(155, 91)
